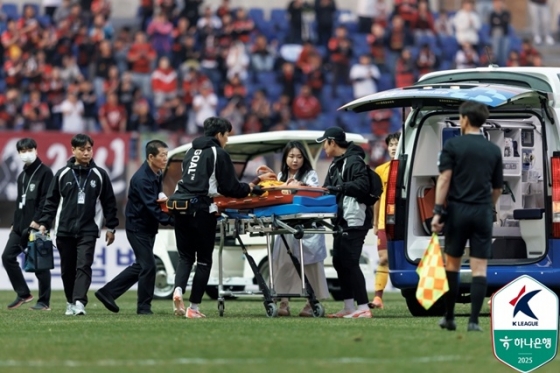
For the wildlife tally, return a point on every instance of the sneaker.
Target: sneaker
(107, 300)
(193, 314)
(79, 309)
(19, 301)
(178, 305)
(473, 327)
(339, 314)
(69, 309)
(307, 311)
(40, 307)
(447, 324)
(359, 314)
(377, 302)
(284, 309)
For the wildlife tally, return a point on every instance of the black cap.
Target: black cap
(333, 133)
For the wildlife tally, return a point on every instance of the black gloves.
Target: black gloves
(258, 191)
(334, 189)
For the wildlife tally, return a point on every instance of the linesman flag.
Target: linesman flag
(433, 281)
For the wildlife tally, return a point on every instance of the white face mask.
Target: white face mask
(28, 157)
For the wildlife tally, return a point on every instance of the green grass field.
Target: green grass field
(244, 340)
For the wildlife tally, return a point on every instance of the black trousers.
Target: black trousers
(195, 234)
(13, 269)
(142, 271)
(76, 258)
(347, 249)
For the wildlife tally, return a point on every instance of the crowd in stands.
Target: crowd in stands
(67, 68)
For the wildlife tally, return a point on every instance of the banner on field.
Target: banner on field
(110, 152)
(108, 262)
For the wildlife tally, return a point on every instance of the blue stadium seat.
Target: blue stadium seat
(257, 15)
(385, 82)
(11, 10)
(449, 47)
(44, 20)
(279, 18)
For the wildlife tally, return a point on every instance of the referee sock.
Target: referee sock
(194, 306)
(478, 292)
(450, 297)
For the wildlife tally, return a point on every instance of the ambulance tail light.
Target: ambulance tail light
(391, 199)
(555, 168)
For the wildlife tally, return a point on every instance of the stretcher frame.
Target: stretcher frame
(296, 224)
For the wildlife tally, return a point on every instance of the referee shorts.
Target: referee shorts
(472, 223)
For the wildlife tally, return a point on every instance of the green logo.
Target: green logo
(525, 324)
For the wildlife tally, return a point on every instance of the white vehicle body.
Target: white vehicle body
(244, 151)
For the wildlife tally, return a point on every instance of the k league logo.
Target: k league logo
(521, 305)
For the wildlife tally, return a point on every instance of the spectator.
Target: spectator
(160, 30)
(340, 49)
(35, 113)
(224, 9)
(112, 115)
(126, 90)
(262, 55)
(365, 11)
(121, 47)
(376, 41)
(539, 11)
(191, 10)
(443, 25)
(427, 61)
(204, 106)
(70, 71)
(141, 120)
(422, 23)
(88, 98)
(102, 64)
(295, 9)
(192, 80)
(381, 13)
(72, 110)
(164, 82)
(209, 22)
(169, 8)
(513, 59)
(234, 88)
(141, 56)
(467, 23)
(287, 80)
(363, 76)
(112, 82)
(237, 61)
(243, 26)
(306, 109)
(260, 106)
(405, 72)
(499, 31)
(235, 112)
(407, 10)
(179, 46)
(53, 88)
(466, 57)
(10, 114)
(14, 68)
(397, 38)
(281, 118)
(172, 116)
(189, 54)
(61, 12)
(325, 11)
(146, 11)
(315, 77)
(527, 53)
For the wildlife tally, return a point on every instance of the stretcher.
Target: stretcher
(303, 214)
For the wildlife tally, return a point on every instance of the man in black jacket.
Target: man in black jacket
(348, 177)
(143, 216)
(80, 197)
(33, 184)
(207, 172)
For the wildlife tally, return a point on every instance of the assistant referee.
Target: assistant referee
(470, 181)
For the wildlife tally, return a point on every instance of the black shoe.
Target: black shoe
(40, 307)
(107, 301)
(473, 327)
(19, 301)
(447, 324)
(145, 312)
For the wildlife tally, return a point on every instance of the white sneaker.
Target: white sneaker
(359, 314)
(69, 309)
(79, 309)
(178, 305)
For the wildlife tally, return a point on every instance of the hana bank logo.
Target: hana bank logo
(521, 305)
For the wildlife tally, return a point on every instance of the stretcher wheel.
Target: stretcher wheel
(221, 306)
(271, 310)
(299, 234)
(318, 310)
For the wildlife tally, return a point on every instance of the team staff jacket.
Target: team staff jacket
(33, 183)
(73, 215)
(143, 214)
(208, 171)
(349, 171)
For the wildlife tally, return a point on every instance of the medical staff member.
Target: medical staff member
(470, 181)
(207, 172)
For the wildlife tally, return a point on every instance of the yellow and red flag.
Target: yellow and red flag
(431, 271)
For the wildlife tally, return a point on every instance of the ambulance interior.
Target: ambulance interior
(519, 232)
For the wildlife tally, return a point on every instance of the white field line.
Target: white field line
(201, 361)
